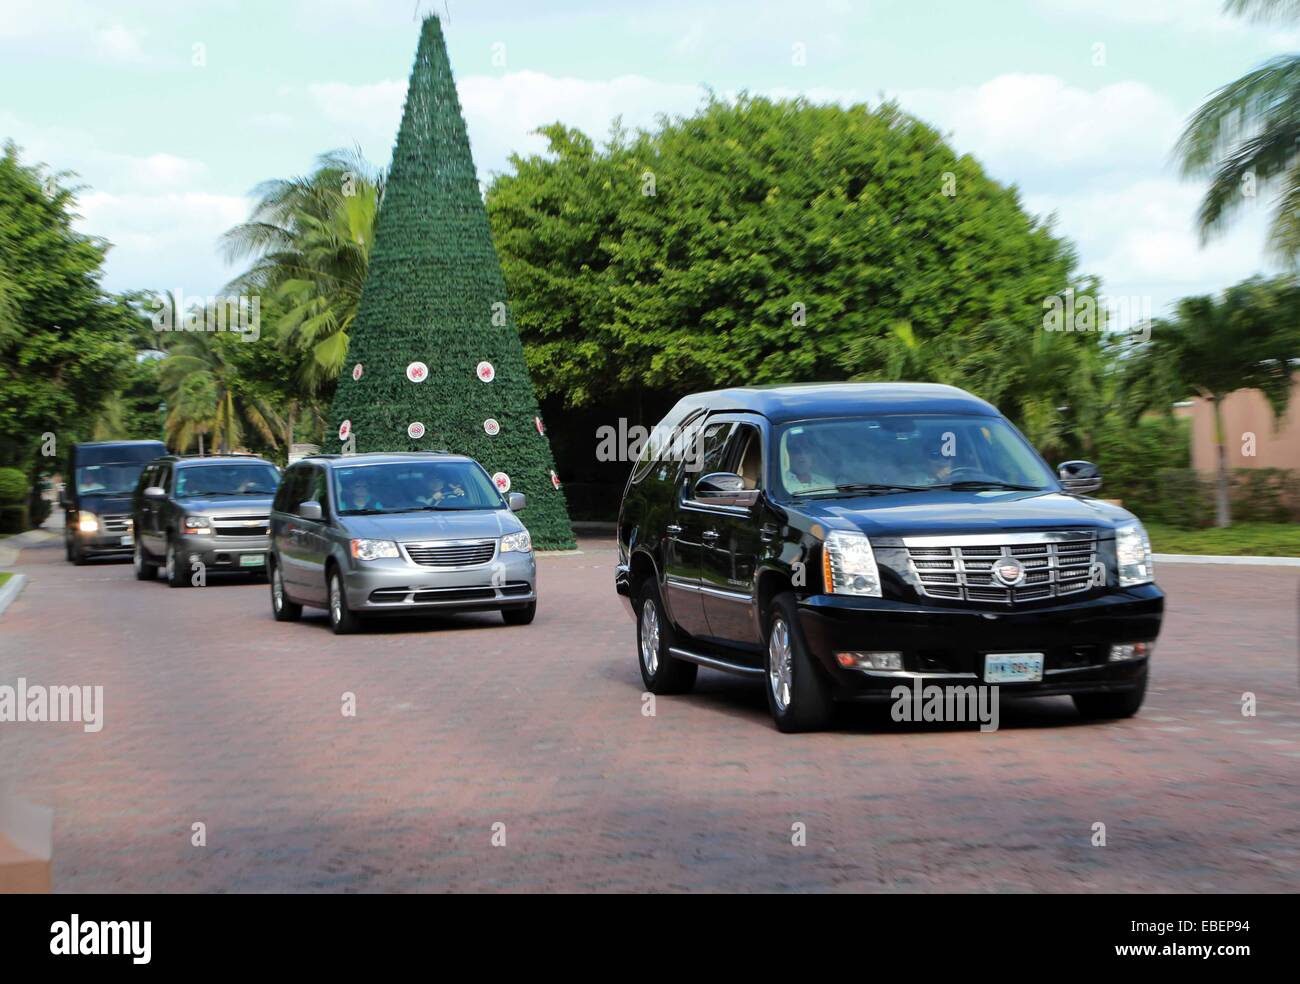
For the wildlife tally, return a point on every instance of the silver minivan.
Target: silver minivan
(398, 534)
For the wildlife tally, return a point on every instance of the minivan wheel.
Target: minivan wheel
(342, 619)
(1118, 705)
(798, 695)
(519, 616)
(173, 572)
(144, 571)
(661, 672)
(283, 609)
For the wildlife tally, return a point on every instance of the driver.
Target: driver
(359, 496)
(440, 491)
(804, 472)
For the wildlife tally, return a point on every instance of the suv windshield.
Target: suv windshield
(237, 478)
(412, 487)
(110, 478)
(906, 453)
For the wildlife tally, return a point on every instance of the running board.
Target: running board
(714, 663)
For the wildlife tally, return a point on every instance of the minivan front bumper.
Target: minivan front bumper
(948, 645)
(396, 586)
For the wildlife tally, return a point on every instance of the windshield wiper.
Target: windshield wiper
(868, 488)
(976, 484)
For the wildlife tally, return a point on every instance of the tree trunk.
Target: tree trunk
(1222, 505)
(200, 444)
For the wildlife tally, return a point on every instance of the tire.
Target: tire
(144, 571)
(173, 572)
(75, 555)
(67, 548)
(519, 616)
(661, 672)
(1101, 707)
(343, 620)
(798, 693)
(282, 608)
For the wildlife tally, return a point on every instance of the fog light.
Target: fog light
(1130, 650)
(870, 661)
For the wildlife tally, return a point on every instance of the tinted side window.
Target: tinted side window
(711, 451)
(315, 488)
(284, 497)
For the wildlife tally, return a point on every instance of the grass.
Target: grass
(1238, 540)
(4, 576)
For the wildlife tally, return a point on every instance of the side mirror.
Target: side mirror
(1078, 477)
(310, 510)
(724, 489)
(516, 501)
(155, 492)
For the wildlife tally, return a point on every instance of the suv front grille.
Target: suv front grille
(451, 553)
(240, 525)
(961, 567)
(116, 524)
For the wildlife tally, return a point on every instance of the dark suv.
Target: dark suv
(838, 540)
(96, 497)
(211, 510)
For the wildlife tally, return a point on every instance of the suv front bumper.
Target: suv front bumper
(227, 553)
(948, 645)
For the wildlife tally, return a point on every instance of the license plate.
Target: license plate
(1013, 667)
(252, 560)
(128, 540)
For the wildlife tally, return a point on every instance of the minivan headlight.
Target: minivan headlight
(519, 542)
(373, 549)
(849, 565)
(1133, 555)
(87, 521)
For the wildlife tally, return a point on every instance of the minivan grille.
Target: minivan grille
(116, 524)
(1055, 564)
(451, 553)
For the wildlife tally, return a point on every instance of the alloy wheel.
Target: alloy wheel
(277, 589)
(649, 637)
(336, 600)
(780, 664)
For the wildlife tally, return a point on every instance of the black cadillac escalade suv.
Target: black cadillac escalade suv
(836, 540)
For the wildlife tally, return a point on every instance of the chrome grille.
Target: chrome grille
(451, 553)
(251, 525)
(116, 524)
(1056, 563)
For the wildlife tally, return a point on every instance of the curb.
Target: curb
(1212, 559)
(10, 590)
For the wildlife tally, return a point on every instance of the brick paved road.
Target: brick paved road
(218, 714)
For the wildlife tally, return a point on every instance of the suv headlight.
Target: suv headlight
(520, 542)
(1133, 555)
(87, 521)
(849, 565)
(198, 524)
(373, 549)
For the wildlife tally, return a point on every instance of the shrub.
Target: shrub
(13, 487)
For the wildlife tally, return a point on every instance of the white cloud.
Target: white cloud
(120, 43)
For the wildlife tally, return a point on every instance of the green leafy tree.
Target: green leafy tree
(435, 295)
(1248, 338)
(762, 241)
(1246, 138)
(63, 341)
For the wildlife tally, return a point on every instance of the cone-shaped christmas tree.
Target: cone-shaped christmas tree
(434, 360)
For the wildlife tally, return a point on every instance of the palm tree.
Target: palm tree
(1247, 339)
(309, 239)
(204, 395)
(1247, 136)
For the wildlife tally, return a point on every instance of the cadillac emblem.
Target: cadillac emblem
(1008, 571)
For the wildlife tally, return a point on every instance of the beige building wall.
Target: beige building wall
(1247, 412)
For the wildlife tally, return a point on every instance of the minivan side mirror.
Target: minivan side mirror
(1078, 477)
(517, 501)
(724, 489)
(155, 492)
(310, 510)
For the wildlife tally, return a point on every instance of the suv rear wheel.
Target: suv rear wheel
(1119, 705)
(661, 672)
(282, 608)
(144, 570)
(797, 693)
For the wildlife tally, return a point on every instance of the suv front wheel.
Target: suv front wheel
(797, 693)
(174, 572)
(144, 570)
(661, 672)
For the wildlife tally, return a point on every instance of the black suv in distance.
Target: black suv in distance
(96, 497)
(836, 540)
(214, 509)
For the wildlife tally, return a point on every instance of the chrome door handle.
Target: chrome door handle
(673, 529)
(767, 534)
(711, 534)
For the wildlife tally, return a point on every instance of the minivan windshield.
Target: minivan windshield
(906, 453)
(413, 486)
(109, 478)
(236, 478)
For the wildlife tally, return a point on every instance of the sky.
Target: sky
(171, 112)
